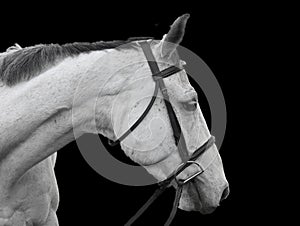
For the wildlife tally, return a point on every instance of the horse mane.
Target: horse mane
(19, 64)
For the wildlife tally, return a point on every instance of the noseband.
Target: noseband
(187, 160)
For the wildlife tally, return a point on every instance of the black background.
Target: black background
(224, 36)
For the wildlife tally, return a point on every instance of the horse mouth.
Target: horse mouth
(204, 208)
(194, 199)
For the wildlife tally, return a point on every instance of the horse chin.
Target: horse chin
(193, 199)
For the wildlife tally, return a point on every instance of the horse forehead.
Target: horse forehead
(179, 84)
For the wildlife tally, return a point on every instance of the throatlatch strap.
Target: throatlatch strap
(157, 76)
(114, 143)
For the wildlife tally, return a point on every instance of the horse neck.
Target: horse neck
(36, 116)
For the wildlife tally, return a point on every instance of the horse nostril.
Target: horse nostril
(225, 193)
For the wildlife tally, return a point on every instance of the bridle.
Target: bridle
(187, 160)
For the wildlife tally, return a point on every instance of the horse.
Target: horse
(38, 117)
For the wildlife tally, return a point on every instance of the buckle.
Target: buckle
(185, 165)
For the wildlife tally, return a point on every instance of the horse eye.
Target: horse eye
(190, 106)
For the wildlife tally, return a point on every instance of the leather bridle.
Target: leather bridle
(187, 160)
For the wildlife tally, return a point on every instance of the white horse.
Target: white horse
(37, 89)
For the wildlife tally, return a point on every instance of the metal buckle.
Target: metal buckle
(181, 181)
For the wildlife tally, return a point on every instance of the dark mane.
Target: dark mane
(17, 64)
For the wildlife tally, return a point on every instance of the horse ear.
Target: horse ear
(175, 35)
